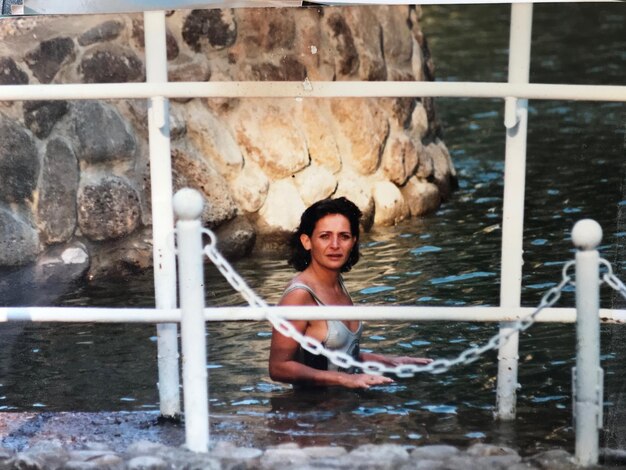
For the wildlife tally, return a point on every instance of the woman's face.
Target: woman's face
(331, 242)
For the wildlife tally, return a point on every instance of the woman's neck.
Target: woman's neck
(326, 277)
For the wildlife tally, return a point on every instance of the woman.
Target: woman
(325, 245)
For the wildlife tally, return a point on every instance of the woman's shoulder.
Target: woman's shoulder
(299, 292)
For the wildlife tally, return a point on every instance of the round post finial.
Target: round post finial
(188, 204)
(586, 234)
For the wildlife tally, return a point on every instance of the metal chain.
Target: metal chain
(344, 360)
(611, 279)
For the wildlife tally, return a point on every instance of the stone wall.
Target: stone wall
(76, 173)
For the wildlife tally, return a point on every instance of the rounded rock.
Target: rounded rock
(188, 204)
(586, 234)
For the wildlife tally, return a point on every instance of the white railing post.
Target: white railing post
(516, 121)
(188, 206)
(587, 375)
(164, 259)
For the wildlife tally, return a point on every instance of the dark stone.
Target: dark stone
(122, 257)
(108, 209)
(19, 162)
(170, 41)
(10, 73)
(102, 133)
(57, 194)
(171, 46)
(236, 238)
(103, 32)
(41, 116)
(281, 30)
(348, 55)
(266, 72)
(113, 65)
(19, 243)
(292, 69)
(209, 26)
(46, 60)
(289, 69)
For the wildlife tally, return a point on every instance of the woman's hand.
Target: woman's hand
(364, 380)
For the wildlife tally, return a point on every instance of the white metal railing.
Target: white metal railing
(378, 312)
(312, 89)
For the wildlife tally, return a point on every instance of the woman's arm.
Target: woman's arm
(395, 360)
(284, 367)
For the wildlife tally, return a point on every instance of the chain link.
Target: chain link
(343, 360)
(612, 280)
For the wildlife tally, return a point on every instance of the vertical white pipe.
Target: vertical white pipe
(586, 236)
(188, 206)
(513, 205)
(164, 257)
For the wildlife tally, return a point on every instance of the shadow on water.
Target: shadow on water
(576, 168)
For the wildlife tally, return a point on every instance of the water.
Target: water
(576, 169)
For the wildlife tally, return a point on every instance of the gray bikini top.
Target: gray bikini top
(338, 338)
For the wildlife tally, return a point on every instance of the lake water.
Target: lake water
(576, 169)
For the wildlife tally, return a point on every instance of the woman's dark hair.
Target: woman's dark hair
(300, 258)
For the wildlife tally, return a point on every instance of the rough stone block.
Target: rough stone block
(283, 458)
(434, 452)
(391, 207)
(111, 65)
(106, 31)
(56, 211)
(102, 134)
(46, 60)
(41, 116)
(108, 209)
(10, 73)
(384, 456)
(19, 162)
(147, 462)
(215, 28)
(19, 243)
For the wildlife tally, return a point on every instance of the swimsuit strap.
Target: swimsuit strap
(299, 285)
(343, 286)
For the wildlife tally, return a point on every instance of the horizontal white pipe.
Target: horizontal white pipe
(65, 7)
(379, 313)
(312, 89)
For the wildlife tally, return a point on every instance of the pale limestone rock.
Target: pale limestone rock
(192, 171)
(283, 458)
(421, 196)
(434, 452)
(398, 49)
(249, 188)
(213, 138)
(362, 130)
(309, 46)
(419, 121)
(399, 158)
(417, 61)
(283, 206)
(315, 183)
(383, 456)
(366, 29)
(320, 139)
(443, 169)
(359, 190)
(270, 136)
(389, 202)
